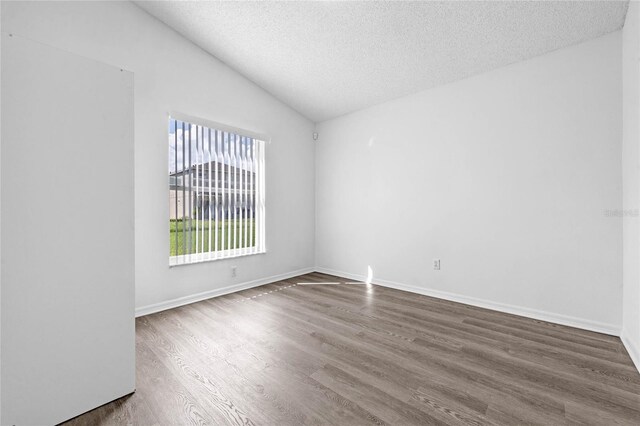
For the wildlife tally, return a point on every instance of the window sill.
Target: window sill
(190, 259)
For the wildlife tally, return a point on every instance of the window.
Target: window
(216, 193)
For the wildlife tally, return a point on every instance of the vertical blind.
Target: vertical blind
(216, 194)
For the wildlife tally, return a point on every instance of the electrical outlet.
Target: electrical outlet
(436, 264)
(234, 271)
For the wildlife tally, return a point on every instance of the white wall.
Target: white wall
(68, 332)
(631, 181)
(505, 176)
(509, 172)
(0, 231)
(172, 74)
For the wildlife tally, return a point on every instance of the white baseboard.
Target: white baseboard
(582, 323)
(185, 300)
(632, 348)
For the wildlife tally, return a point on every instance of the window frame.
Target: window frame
(195, 258)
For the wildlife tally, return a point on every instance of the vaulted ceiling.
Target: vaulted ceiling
(327, 59)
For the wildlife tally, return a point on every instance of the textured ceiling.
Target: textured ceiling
(326, 59)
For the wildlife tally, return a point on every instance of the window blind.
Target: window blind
(216, 193)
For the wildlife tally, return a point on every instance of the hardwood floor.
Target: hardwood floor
(292, 354)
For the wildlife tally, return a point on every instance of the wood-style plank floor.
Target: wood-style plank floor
(294, 354)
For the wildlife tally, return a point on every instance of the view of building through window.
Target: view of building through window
(216, 193)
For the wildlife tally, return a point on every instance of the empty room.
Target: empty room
(320, 213)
